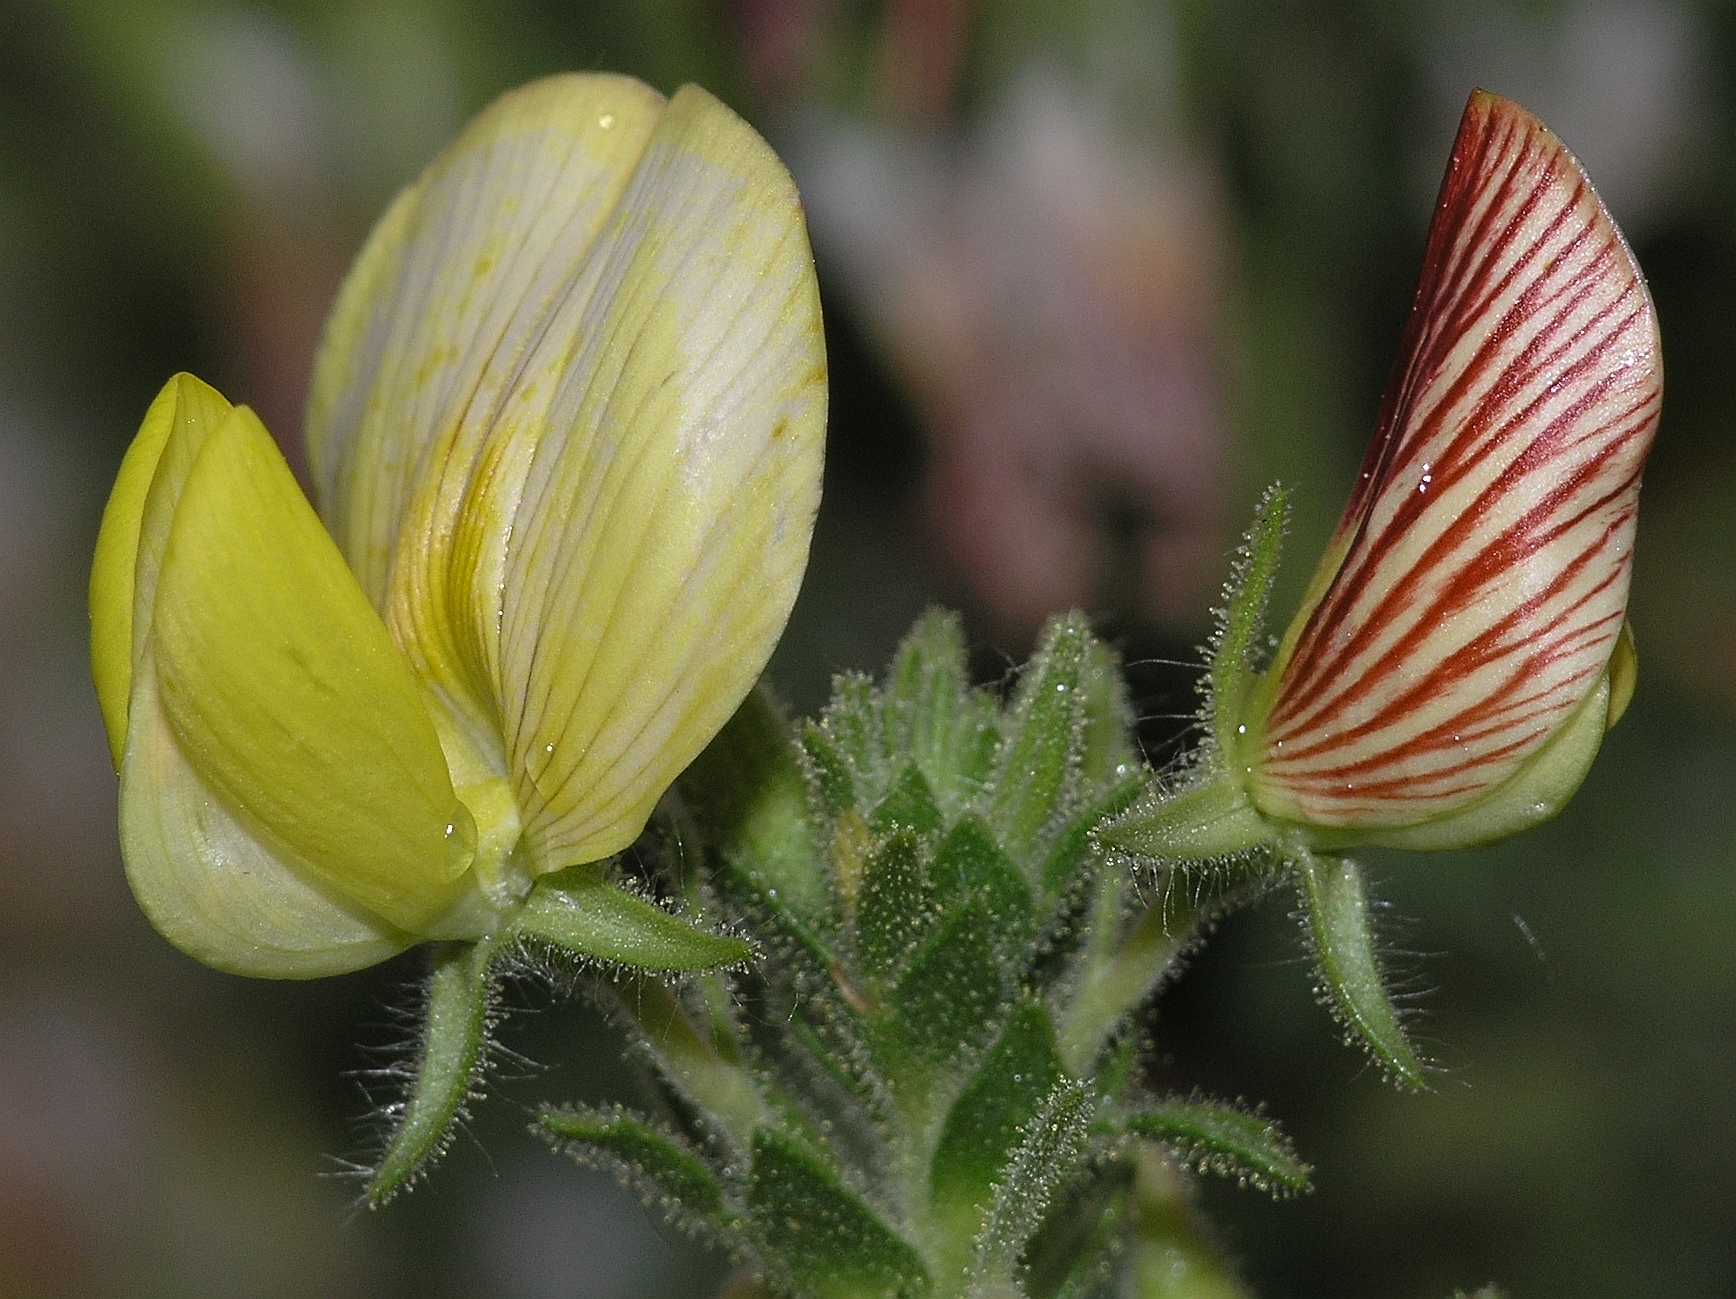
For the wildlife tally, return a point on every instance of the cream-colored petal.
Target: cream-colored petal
(287, 696)
(568, 426)
(135, 528)
(663, 527)
(423, 367)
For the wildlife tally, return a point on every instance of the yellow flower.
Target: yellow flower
(566, 432)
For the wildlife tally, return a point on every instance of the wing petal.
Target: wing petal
(286, 695)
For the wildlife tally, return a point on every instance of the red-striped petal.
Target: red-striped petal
(1478, 580)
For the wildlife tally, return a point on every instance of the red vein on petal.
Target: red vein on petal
(1294, 708)
(1511, 379)
(1482, 651)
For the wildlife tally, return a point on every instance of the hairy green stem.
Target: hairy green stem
(1122, 970)
(1170, 1256)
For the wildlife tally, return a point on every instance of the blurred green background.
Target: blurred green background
(1094, 273)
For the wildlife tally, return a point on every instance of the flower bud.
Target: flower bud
(1462, 647)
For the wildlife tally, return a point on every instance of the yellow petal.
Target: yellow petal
(211, 887)
(286, 695)
(584, 475)
(135, 528)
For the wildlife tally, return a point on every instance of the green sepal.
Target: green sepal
(1215, 1137)
(820, 1238)
(1242, 621)
(456, 1017)
(656, 1165)
(909, 805)
(1340, 930)
(1050, 1155)
(894, 908)
(580, 913)
(1039, 762)
(985, 1123)
(1211, 821)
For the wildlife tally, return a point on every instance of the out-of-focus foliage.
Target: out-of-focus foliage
(1094, 274)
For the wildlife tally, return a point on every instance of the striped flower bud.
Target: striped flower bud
(1462, 647)
(566, 434)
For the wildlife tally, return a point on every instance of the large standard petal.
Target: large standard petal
(287, 697)
(135, 529)
(427, 358)
(589, 504)
(1476, 587)
(663, 526)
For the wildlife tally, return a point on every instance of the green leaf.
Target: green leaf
(951, 992)
(1335, 903)
(1243, 620)
(852, 719)
(933, 716)
(820, 1237)
(1039, 763)
(1050, 1154)
(969, 865)
(656, 1165)
(1107, 753)
(748, 791)
(1214, 1137)
(454, 1048)
(1075, 1252)
(1170, 1253)
(828, 771)
(580, 913)
(908, 805)
(985, 1124)
(1072, 851)
(894, 909)
(929, 677)
(797, 953)
(1119, 966)
(720, 1090)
